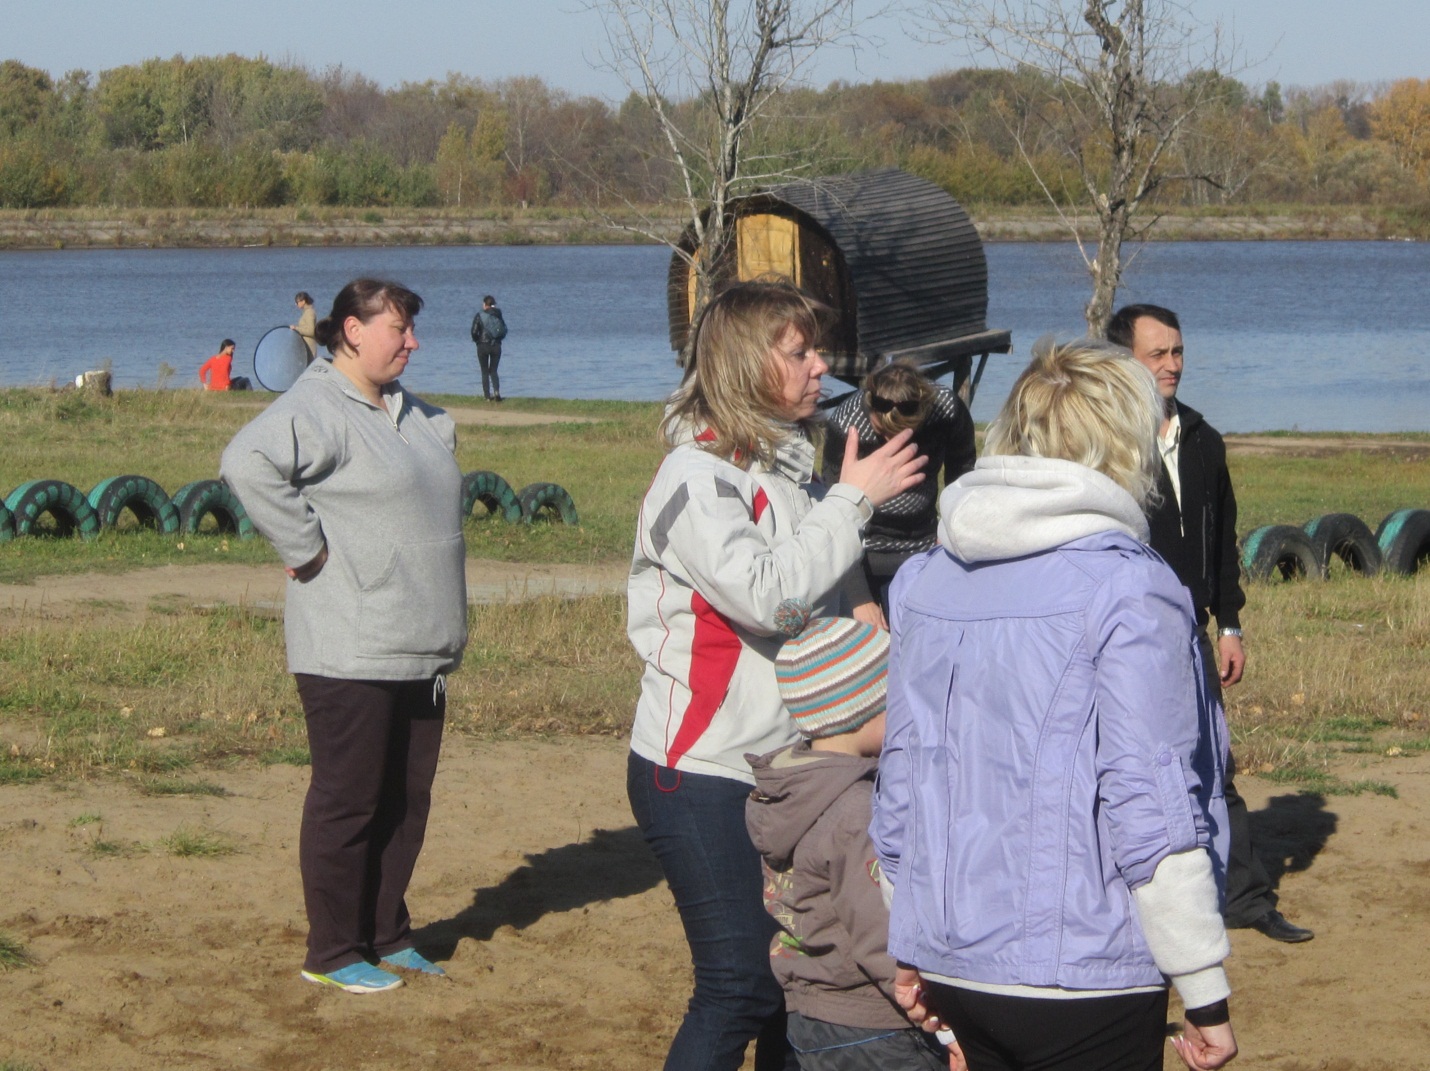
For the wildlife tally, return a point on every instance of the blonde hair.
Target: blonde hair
(732, 390)
(898, 381)
(1090, 402)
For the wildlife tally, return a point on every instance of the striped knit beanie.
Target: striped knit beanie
(833, 676)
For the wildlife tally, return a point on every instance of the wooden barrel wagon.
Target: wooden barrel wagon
(896, 257)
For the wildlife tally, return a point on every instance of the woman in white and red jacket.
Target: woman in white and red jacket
(734, 539)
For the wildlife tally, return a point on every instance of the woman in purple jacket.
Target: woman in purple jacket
(1050, 790)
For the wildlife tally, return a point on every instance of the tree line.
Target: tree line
(233, 132)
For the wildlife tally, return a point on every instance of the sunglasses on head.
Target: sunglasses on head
(884, 405)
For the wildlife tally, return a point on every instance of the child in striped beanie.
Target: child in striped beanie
(833, 676)
(809, 818)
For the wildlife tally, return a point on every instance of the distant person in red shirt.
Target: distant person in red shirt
(216, 370)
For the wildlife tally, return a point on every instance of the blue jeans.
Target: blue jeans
(695, 825)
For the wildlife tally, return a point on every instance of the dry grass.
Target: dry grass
(1333, 667)
(204, 687)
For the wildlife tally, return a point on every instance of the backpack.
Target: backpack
(493, 326)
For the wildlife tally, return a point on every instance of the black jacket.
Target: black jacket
(1200, 544)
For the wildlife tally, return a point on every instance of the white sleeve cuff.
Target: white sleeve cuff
(1181, 920)
(1203, 987)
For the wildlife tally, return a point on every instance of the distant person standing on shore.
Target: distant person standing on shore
(488, 329)
(217, 370)
(307, 324)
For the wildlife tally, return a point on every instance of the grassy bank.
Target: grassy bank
(81, 228)
(1335, 667)
(604, 457)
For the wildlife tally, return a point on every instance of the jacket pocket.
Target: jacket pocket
(417, 605)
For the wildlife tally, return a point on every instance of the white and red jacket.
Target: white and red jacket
(722, 556)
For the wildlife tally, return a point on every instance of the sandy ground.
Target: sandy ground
(562, 944)
(539, 897)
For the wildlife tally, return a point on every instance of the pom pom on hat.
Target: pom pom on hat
(791, 615)
(833, 677)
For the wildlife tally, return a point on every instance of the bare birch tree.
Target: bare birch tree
(1116, 96)
(709, 70)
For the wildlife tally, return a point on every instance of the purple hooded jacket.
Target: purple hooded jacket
(1049, 739)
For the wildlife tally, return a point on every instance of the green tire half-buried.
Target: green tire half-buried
(1278, 552)
(211, 498)
(492, 492)
(64, 502)
(1344, 536)
(549, 499)
(1404, 540)
(141, 496)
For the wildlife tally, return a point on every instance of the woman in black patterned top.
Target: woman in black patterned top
(894, 397)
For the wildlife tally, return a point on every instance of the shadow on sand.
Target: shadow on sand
(607, 865)
(1290, 831)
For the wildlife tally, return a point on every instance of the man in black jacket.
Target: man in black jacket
(1194, 529)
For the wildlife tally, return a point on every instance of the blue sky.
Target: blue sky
(1304, 42)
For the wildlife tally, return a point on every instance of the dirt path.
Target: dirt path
(562, 944)
(1326, 445)
(261, 586)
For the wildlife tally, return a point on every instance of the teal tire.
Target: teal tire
(492, 492)
(1344, 536)
(211, 498)
(1404, 540)
(64, 502)
(1278, 552)
(549, 500)
(7, 525)
(151, 505)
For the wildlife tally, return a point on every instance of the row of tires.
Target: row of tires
(71, 511)
(516, 507)
(1281, 551)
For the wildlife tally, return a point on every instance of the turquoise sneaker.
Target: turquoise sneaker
(356, 978)
(409, 959)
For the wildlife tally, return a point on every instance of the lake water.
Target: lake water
(1316, 336)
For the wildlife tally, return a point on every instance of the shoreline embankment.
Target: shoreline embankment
(125, 228)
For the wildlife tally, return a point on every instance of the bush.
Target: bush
(30, 177)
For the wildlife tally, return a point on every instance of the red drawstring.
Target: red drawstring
(655, 774)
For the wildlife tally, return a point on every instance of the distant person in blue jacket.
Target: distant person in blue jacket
(488, 330)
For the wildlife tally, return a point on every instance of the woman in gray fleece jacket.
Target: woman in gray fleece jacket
(356, 485)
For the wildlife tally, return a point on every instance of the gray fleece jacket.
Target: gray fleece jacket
(382, 489)
(809, 818)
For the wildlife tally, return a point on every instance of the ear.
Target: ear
(352, 330)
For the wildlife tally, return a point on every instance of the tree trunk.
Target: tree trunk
(1106, 273)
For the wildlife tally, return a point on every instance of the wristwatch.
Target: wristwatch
(1229, 632)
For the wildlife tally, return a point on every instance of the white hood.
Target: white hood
(1008, 507)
